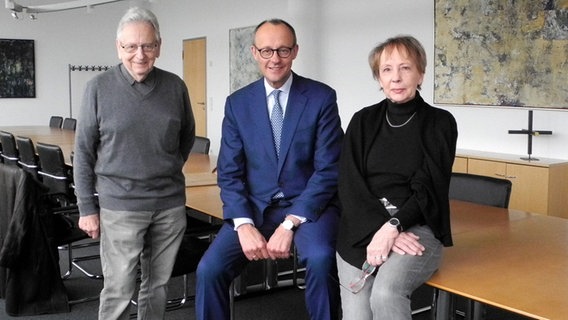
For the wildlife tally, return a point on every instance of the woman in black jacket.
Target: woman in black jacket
(394, 178)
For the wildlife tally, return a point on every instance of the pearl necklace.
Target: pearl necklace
(399, 125)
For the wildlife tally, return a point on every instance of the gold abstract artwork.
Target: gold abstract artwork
(501, 53)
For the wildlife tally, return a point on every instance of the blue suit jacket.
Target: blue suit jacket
(249, 172)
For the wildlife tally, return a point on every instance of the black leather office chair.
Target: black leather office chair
(29, 161)
(55, 173)
(58, 177)
(485, 190)
(68, 236)
(201, 145)
(69, 124)
(10, 153)
(196, 240)
(190, 252)
(55, 121)
(198, 235)
(491, 191)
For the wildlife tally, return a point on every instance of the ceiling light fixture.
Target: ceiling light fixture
(65, 5)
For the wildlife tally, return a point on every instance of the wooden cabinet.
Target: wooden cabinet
(538, 186)
(460, 164)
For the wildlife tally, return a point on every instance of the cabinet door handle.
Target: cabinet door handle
(505, 176)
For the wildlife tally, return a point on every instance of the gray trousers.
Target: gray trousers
(387, 295)
(150, 239)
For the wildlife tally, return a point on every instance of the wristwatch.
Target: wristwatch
(395, 223)
(289, 225)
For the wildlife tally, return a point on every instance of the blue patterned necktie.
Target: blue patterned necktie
(276, 119)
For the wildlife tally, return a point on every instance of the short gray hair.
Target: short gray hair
(137, 14)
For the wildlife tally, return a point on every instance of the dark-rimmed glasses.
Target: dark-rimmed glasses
(357, 284)
(146, 47)
(267, 53)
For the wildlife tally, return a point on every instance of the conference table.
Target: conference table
(65, 139)
(198, 170)
(506, 258)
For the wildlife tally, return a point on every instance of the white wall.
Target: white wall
(335, 37)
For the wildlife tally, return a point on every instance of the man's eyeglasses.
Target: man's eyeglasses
(267, 53)
(357, 284)
(146, 48)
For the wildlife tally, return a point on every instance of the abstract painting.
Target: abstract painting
(17, 68)
(501, 53)
(242, 66)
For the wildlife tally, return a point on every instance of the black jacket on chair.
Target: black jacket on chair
(30, 279)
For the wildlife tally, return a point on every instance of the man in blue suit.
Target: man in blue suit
(276, 193)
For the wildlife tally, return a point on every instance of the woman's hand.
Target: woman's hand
(381, 244)
(407, 243)
(388, 239)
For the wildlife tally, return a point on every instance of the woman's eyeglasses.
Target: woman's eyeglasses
(357, 284)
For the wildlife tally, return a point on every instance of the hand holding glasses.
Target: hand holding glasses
(357, 284)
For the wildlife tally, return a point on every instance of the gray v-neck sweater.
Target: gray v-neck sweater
(130, 147)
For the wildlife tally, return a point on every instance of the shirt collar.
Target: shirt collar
(285, 88)
(149, 80)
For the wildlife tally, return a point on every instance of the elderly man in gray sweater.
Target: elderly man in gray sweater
(134, 134)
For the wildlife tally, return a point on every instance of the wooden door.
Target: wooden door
(195, 77)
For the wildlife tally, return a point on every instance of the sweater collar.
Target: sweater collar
(148, 81)
(406, 108)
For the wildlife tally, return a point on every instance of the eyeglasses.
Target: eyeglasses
(357, 284)
(267, 53)
(146, 48)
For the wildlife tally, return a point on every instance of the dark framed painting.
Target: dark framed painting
(17, 68)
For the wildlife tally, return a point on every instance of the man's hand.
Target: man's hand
(90, 225)
(280, 243)
(252, 242)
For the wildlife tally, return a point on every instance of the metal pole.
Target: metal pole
(70, 92)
